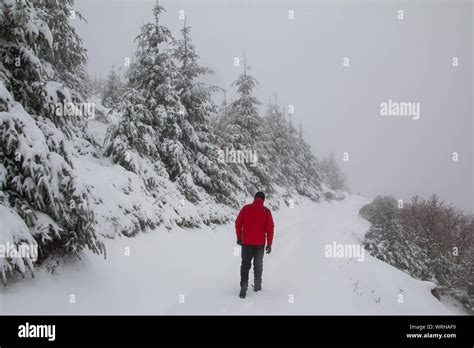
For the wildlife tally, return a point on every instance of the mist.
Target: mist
(335, 63)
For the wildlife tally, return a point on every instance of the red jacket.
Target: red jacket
(254, 223)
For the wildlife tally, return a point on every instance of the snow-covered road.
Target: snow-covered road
(197, 272)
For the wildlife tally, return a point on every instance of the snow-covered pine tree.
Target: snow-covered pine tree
(38, 182)
(68, 52)
(244, 130)
(244, 110)
(43, 61)
(198, 135)
(332, 174)
(220, 120)
(279, 144)
(153, 70)
(307, 179)
(133, 142)
(292, 163)
(96, 85)
(112, 92)
(155, 74)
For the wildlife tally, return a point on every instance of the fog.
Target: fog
(301, 59)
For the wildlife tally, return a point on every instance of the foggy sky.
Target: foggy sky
(407, 60)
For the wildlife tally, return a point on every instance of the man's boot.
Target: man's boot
(243, 292)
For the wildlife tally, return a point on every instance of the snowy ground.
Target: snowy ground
(197, 272)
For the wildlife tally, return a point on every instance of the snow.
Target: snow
(13, 227)
(196, 271)
(184, 263)
(6, 97)
(122, 202)
(12, 230)
(52, 88)
(109, 189)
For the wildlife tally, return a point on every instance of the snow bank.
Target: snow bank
(196, 271)
(123, 205)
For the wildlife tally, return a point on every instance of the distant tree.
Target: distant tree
(290, 160)
(113, 89)
(331, 174)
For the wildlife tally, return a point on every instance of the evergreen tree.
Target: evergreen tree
(198, 136)
(112, 93)
(154, 71)
(155, 74)
(332, 174)
(244, 132)
(133, 142)
(280, 144)
(37, 180)
(43, 57)
(291, 161)
(68, 53)
(245, 124)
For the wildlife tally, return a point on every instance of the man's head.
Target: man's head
(261, 195)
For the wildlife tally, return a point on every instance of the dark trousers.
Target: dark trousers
(250, 252)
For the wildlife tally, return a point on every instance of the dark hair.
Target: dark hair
(260, 194)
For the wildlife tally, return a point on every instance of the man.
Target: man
(254, 227)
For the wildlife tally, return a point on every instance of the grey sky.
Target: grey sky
(407, 60)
